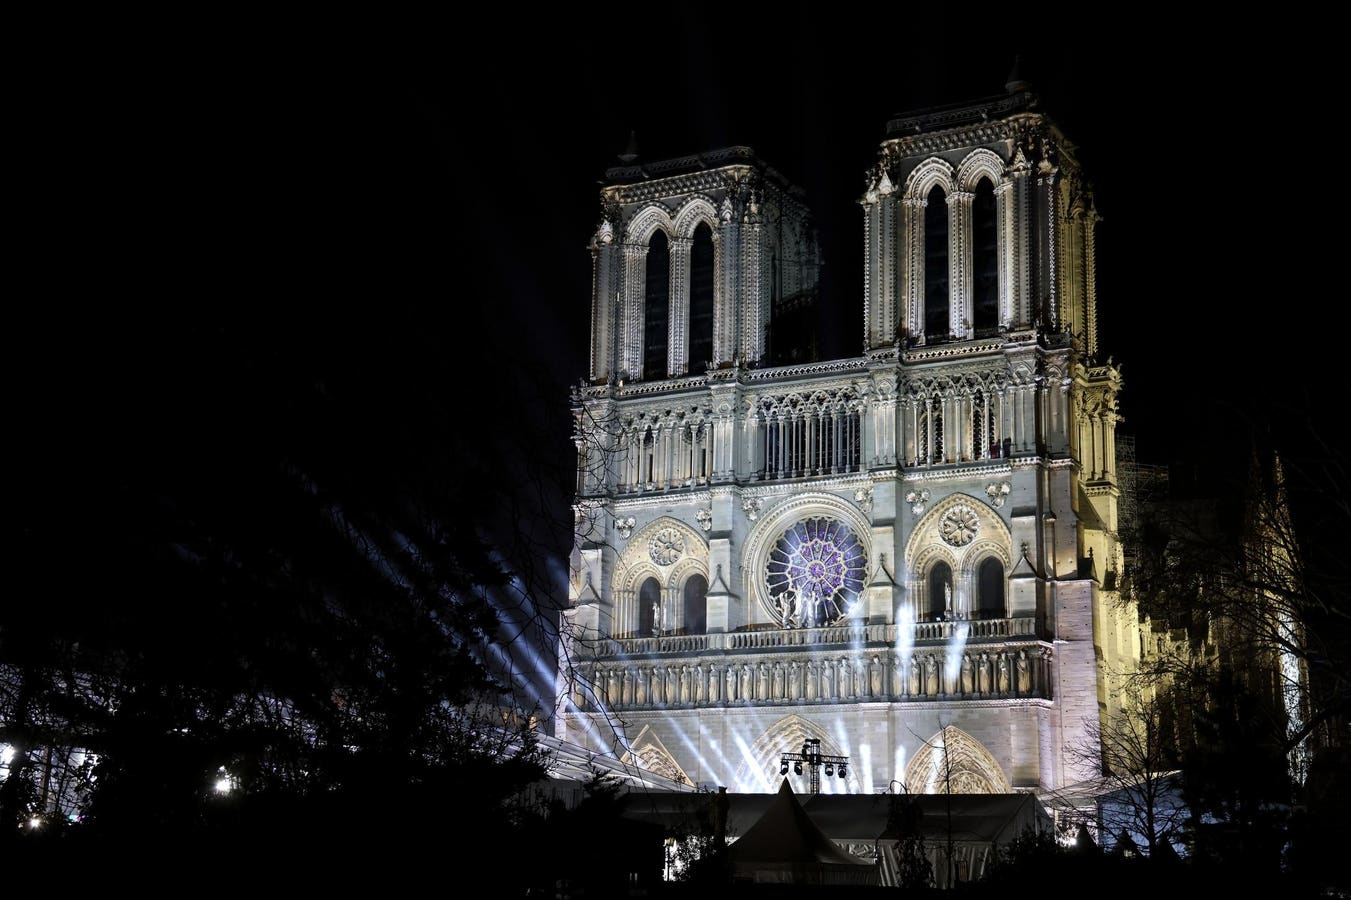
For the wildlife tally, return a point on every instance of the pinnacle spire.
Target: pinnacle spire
(631, 151)
(1016, 83)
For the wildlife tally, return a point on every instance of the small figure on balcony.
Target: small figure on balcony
(788, 610)
(818, 607)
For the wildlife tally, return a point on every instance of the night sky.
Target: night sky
(366, 203)
(340, 183)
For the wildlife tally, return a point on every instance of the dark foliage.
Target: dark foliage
(275, 529)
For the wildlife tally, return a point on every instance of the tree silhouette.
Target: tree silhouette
(280, 591)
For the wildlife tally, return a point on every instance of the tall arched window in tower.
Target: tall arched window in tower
(984, 261)
(656, 306)
(936, 326)
(940, 592)
(990, 589)
(701, 300)
(649, 607)
(696, 605)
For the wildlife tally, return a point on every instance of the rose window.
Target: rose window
(815, 573)
(959, 526)
(666, 547)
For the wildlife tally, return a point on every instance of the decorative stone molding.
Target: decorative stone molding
(625, 526)
(998, 492)
(918, 500)
(959, 526)
(705, 518)
(666, 547)
(752, 506)
(864, 498)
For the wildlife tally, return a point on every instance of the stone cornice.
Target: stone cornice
(828, 367)
(718, 170)
(816, 484)
(957, 472)
(951, 351)
(695, 162)
(953, 115)
(629, 503)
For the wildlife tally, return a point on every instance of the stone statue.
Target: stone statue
(967, 682)
(1002, 673)
(788, 608)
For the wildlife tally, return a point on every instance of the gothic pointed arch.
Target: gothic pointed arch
(937, 257)
(694, 605)
(649, 606)
(989, 547)
(760, 762)
(646, 221)
(963, 524)
(991, 589)
(657, 307)
(697, 209)
(977, 164)
(931, 173)
(703, 297)
(688, 583)
(665, 552)
(952, 761)
(984, 257)
(958, 531)
(665, 548)
(936, 604)
(647, 751)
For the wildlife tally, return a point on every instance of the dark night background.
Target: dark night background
(217, 230)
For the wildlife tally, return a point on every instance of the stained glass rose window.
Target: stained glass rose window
(815, 573)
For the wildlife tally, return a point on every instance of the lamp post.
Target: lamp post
(814, 759)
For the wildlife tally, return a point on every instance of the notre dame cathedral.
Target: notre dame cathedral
(908, 556)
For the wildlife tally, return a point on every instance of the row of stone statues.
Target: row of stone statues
(978, 673)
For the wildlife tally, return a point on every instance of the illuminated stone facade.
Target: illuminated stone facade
(909, 555)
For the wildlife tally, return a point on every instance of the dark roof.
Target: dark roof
(785, 833)
(954, 115)
(680, 165)
(858, 818)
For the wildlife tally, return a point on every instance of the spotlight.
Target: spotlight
(842, 770)
(783, 768)
(797, 768)
(830, 769)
